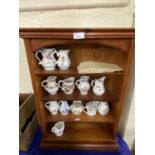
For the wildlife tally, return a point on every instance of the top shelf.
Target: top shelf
(73, 72)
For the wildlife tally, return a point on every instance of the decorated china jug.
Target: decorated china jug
(91, 108)
(63, 61)
(98, 86)
(83, 85)
(103, 108)
(67, 85)
(52, 106)
(50, 85)
(64, 107)
(48, 60)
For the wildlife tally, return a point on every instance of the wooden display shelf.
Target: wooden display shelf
(109, 118)
(72, 72)
(107, 96)
(114, 46)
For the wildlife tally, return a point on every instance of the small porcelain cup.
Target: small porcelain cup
(48, 61)
(58, 128)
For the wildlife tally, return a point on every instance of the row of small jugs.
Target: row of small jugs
(68, 85)
(77, 108)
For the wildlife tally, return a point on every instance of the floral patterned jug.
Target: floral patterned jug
(64, 107)
(63, 61)
(48, 60)
(98, 86)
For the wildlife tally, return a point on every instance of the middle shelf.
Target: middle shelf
(72, 72)
(107, 96)
(109, 118)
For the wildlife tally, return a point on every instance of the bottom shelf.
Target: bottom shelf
(95, 136)
(78, 146)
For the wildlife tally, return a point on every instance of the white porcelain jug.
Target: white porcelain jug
(67, 85)
(58, 128)
(52, 106)
(48, 60)
(91, 108)
(64, 107)
(83, 85)
(98, 86)
(103, 108)
(63, 61)
(50, 85)
(76, 107)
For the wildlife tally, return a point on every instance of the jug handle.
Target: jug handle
(71, 107)
(59, 84)
(92, 83)
(53, 129)
(43, 83)
(55, 52)
(59, 102)
(47, 104)
(84, 110)
(36, 55)
(77, 82)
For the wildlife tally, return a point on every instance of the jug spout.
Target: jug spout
(66, 51)
(102, 79)
(71, 78)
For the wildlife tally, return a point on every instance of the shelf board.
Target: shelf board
(107, 96)
(80, 118)
(114, 147)
(72, 72)
(78, 133)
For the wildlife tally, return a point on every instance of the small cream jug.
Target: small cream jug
(58, 128)
(64, 107)
(83, 85)
(91, 108)
(98, 86)
(63, 61)
(68, 85)
(48, 60)
(50, 85)
(52, 106)
(103, 108)
(76, 107)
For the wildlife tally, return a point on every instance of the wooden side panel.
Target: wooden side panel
(40, 111)
(118, 106)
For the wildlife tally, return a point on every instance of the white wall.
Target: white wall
(86, 13)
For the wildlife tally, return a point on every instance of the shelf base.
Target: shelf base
(79, 146)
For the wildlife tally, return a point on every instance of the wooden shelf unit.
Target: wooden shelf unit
(104, 45)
